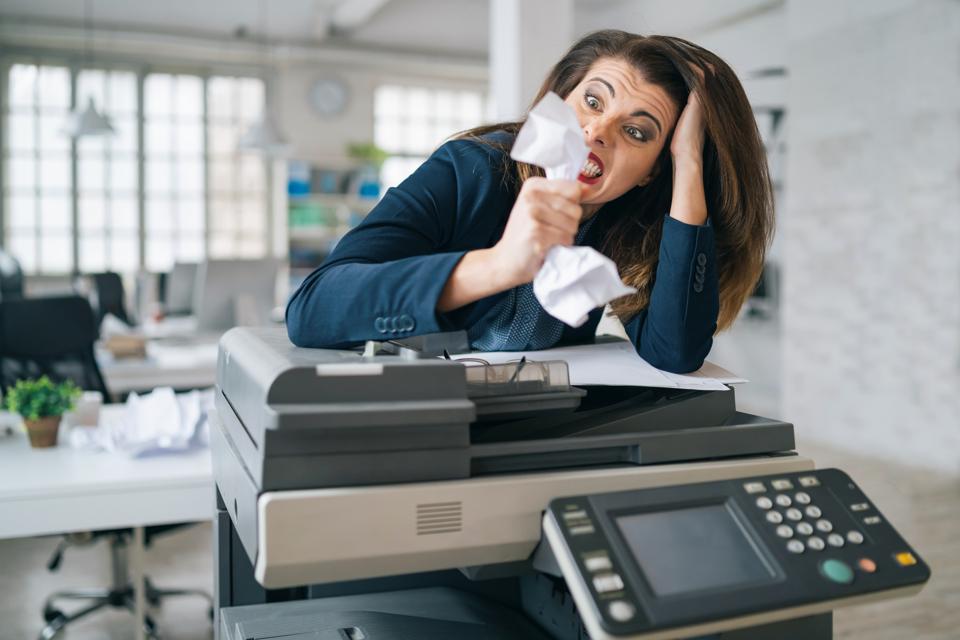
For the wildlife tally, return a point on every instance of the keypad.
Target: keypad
(795, 518)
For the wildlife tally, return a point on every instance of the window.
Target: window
(238, 181)
(107, 218)
(83, 208)
(410, 122)
(173, 169)
(38, 225)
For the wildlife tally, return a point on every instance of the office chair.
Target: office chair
(55, 337)
(109, 296)
(49, 336)
(11, 277)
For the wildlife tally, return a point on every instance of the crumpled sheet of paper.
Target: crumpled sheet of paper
(573, 280)
(156, 423)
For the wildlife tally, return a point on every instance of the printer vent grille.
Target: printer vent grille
(439, 517)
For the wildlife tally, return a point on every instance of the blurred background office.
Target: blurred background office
(184, 165)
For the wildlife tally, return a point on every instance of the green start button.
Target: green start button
(837, 571)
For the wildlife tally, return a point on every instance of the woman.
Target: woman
(675, 192)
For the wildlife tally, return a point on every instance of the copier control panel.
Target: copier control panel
(698, 557)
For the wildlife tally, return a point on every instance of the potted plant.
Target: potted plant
(366, 180)
(41, 403)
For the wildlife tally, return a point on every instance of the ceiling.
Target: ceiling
(448, 27)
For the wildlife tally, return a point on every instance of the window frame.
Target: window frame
(77, 62)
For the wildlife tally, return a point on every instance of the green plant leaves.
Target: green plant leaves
(40, 398)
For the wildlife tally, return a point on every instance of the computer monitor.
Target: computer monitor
(231, 293)
(181, 284)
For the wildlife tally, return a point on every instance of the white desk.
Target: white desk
(57, 490)
(181, 363)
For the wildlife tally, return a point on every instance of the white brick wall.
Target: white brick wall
(871, 231)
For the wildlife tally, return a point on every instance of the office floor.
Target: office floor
(925, 507)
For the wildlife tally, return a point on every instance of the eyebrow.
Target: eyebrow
(636, 114)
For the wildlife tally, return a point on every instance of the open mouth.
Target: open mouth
(592, 169)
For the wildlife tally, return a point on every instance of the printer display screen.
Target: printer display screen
(693, 548)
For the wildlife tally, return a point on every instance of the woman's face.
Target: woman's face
(625, 122)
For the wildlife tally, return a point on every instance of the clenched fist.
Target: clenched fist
(546, 213)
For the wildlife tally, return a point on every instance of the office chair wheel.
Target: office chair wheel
(49, 614)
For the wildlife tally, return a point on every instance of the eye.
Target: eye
(635, 133)
(591, 101)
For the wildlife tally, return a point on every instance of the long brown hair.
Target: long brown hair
(737, 185)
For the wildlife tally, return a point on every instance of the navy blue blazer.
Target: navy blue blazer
(383, 279)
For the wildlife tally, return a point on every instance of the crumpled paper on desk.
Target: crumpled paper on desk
(573, 280)
(158, 422)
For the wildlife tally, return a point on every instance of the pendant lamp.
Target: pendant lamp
(264, 135)
(87, 121)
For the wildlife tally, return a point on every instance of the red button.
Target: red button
(867, 565)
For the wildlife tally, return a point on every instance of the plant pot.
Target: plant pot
(43, 431)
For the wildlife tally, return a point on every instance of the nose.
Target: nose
(596, 131)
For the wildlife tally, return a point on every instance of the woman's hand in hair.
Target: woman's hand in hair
(546, 213)
(689, 201)
(689, 133)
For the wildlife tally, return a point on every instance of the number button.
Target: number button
(774, 517)
(805, 528)
(783, 500)
(795, 546)
(784, 531)
(813, 512)
(854, 537)
(815, 543)
(835, 540)
(764, 502)
(802, 497)
(794, 514)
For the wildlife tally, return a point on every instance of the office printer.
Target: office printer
(394, 494)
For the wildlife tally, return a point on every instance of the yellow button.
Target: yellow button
(905, 559)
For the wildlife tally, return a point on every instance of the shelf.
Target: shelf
(315, 233)
(335, 200)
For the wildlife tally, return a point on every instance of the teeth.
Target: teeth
(590, 169)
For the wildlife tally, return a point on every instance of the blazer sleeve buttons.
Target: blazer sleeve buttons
(394, 324)
(701, 259)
